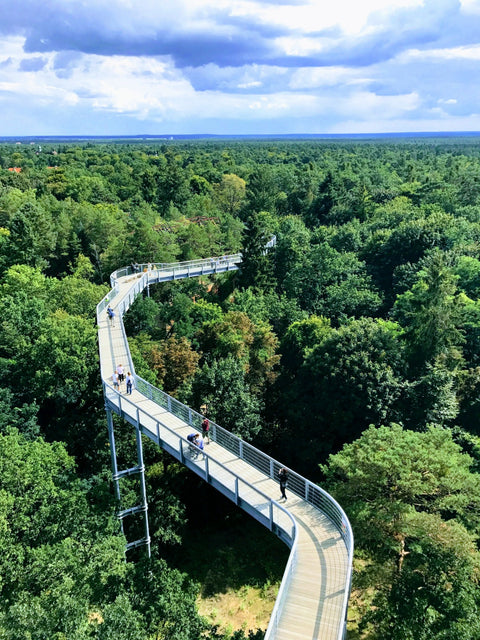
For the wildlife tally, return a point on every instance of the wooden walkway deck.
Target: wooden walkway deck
(313, 607)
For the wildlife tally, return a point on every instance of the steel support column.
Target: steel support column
(143, 488)
(113, 457)
(117, 475)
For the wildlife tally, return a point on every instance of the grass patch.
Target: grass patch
(238, 563)
(248, 608)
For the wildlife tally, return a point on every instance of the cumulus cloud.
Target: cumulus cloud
(241, 65)
(235, 33)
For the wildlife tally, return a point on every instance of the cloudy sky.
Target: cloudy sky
(127, 67)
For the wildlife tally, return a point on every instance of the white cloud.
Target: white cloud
(378, 75)
(249, 85)
(453, 53)
(369, 106)
(350, 17)
(318, 77)
(470, 6)
(432, 125)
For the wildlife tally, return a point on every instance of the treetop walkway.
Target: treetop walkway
(313, 596)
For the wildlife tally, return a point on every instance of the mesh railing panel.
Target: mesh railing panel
(256, 458)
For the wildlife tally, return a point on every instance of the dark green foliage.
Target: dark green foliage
(431, 315)
(32, 235)
(300, 339)
(413, 504)
(143, 315)
(351, 378)
(257, 263)
(172, 185)
(63, 570)
(261, 189)
(365, 312)
(223, 388)
(331, 283)
(22, 418)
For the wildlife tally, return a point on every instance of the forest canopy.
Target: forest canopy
(350, 351)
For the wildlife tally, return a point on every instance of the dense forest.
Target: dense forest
(350, 352)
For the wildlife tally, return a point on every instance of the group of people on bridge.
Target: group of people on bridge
(197, 441)
(119, 378)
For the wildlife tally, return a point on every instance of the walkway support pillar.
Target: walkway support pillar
(143, 489)
(117, 475)
(113, 457)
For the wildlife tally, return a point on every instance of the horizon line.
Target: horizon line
(175, 136)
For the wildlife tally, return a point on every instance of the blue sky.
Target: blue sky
(127, 67)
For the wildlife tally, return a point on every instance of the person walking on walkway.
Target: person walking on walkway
(206, 429)
(193, 440)
(283, 478)
(111, 315)
(121, 373)
(129, 383)
(116, 381)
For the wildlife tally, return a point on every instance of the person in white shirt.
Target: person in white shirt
(121, 373)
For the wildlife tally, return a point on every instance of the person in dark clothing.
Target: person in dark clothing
(283, 478)
(206, 429)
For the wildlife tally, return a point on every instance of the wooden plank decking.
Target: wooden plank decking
(313, 607)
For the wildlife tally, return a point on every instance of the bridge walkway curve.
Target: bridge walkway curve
(314, 593)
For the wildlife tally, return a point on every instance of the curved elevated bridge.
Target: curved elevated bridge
(313, 596)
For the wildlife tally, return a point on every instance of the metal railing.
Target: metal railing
(154, 270)
(297, 484)
(270, 513)
(307, 490)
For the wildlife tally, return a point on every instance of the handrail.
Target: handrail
(282, 592)
(308, 491)
(110, 393)
(212, 264)
(305, 489)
